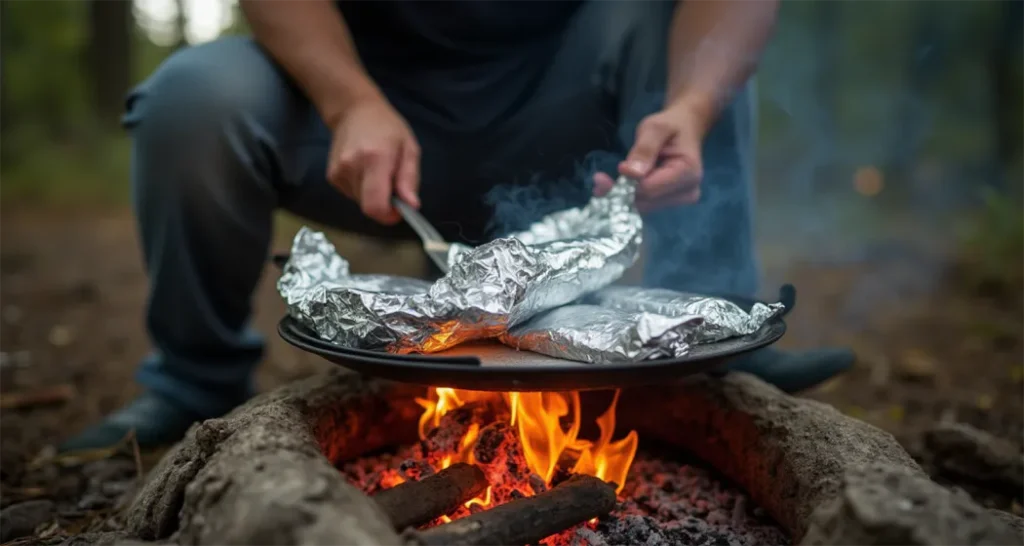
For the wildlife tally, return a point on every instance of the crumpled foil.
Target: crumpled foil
(603, 335)
(489, 289)
(723, 319)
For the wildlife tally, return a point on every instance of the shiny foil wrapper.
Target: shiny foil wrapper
(603, 335)
(489, 289)
(723, 319)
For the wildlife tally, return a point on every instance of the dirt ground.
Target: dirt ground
(73, 289)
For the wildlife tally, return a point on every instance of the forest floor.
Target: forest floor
(73, 289)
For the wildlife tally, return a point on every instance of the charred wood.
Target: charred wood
(527, 520)
(414, 503)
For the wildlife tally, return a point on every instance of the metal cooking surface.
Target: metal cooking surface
(492, 354)
(490, 366)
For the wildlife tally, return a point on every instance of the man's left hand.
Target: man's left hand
(665, 159)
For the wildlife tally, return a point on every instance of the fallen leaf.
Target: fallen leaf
(831, 385)
(984, 402)
(916, 365)
(78, 458)
(896, 413)
(12, 314)
(61, 336)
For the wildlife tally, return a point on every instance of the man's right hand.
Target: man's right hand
(374, 155)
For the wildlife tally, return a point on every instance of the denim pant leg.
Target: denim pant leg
(221, 139)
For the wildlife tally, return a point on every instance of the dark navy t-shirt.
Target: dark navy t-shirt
(460, 63)
(451, 31)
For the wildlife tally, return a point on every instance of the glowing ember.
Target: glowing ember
(482, 428)
(527, 443)
(666, 502)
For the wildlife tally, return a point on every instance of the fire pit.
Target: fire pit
(479, 450)
(341, 459)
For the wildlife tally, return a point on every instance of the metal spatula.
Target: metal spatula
(433, 244)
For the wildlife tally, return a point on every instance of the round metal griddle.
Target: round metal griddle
(491, 366)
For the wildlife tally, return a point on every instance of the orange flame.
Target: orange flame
(538, 418)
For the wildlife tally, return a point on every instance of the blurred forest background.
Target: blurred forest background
(67, 66)
(924, 92)
(915, 104)
(889, 192)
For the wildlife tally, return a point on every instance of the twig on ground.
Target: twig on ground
(24, 493)
(78, 458)
(137, 454)
(31, 539)
(45, 396)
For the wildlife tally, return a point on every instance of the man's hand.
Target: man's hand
(665, 159)
(373, 156)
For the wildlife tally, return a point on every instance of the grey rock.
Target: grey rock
(825, 477)
(107, 538)
(788, 453)
(1015, 522)
(260, 474)
(961, 451)
(885, 504)
(19, 520)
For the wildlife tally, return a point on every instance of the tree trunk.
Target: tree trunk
(1006, 87)
(180, 22)
(4, 112)
(110, 25)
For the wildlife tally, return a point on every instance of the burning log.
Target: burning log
(414, 503)
(527, 520)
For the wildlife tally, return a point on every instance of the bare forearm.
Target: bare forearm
(714, 47)
(311, 41)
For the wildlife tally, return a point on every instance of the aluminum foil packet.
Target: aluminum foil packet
(723, 319)
(603, 335)
(489, 289)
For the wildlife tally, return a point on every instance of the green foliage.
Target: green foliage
(835, 88)
(42, 50)
(53, 149)
(880, 84)
(80, 172)
(992, 245)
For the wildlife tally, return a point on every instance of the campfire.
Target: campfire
(517, 466)
(523, 444)
(727, 461)
(501, 431)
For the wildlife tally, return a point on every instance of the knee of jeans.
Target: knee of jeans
(198, 90)
(203, 117)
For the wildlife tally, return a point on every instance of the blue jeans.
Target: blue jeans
(222, 138)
